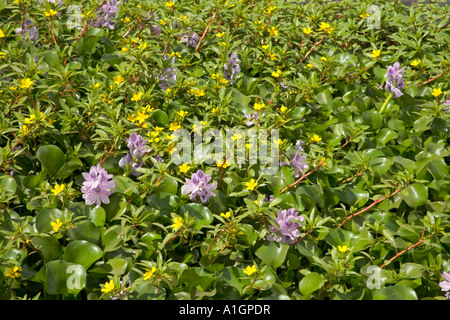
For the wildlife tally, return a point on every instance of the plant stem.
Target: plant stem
(388, 99)
(403, 251)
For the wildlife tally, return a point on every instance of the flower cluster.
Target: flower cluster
(169, 77)
(251, 118)
(445, 285)
(289, 221)
(137, 146)
(106, 14)
(298, 164)
(191, 39)
(28, 30)
(395, 81)
(232, 68)
(97, 186)
(199, 187)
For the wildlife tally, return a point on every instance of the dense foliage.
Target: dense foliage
(94, 204)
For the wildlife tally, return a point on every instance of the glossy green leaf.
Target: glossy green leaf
(273, 254)
(82, 252)
(52, 158)
(310, 283)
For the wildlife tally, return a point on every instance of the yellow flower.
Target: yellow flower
(251, 185)
(215, 76)
(108, 286)
(364, 15)
(177, 223)
(272, 56)
(13, 272)
(174, 126)
(273, 31)
(415, 63)
(26, 83)
(237, 136)
(375, 53)
(220, 34)
(223, 81)
(226, 214)
(141, 117)
(215, 110)
(343, 248)
(258, 106)
(309, 65)
(250, 270)
(326, 27)
(184, 168)
(50, 13)
(221, 164)
(276, 74)
(173, 54)
(316, 138)
(2, 54)
(137, 96)
(118, 80)
(169, 4)
(182, 113)
(149, 273)
(56, 225)
(222, 44)
(58, 189)
(283, 109)
(2, 35)
(437, 92)
(307, 30)
(324, 59)
(265, 46)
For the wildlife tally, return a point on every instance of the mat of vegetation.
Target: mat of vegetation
(95, 203)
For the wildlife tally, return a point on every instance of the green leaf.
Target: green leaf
(82, 252)
(396, 292)
(47, 246)
(324, 97)
(203, 216)
(69, 166)
(8, 184)
(51, 157)
(85, 230)
(160, 117)
(310, 283)
(415, 195)
(373, 119)
(45, 217)
(62, 277)
(273, 254)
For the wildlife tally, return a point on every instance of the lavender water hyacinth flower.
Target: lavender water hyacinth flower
(191, 39)
(298, 164)
(232, 68)
(395, 81)
(288, 221)
(199, 187)
(106, 14)
(97, 186)
(28, 30)
(251, 118)
(445, 285)
(137, 146)
(169, 77)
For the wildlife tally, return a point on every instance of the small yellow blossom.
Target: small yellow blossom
(437, 92)
(184, 168)
(215, 110)
(215, 76)
(173, 54)
(50, 13)
(272, 56)
(126, 20)
(222, 44)
(141, 117)
(182, 113)
(276, 74)
(169, 4)
(149, 273)
(364, 15)
(309, 65)
(13, 272)
(223, 81)
(273, 31)
(251, 185)
(56, 225)
(58, 189)
(250, 270)
(177, 223)
(265, 46)
(220, 34)
(174, 126)
(283, 109)
(343, 248)
(307, 30)
(198, 92)
(108, 287)
(26, 83)
(324, 59)
(2, 35)
(137, 96)
(226, 214)
(118, 80)
(237, 136)
(316, 138)
(2, 54)
(415, 63)
(326, 27)
(258, 106)
(222, 164)
(375, 53)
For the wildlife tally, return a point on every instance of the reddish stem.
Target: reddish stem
(407, 249)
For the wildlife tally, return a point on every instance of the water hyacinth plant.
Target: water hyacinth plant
(224, 150)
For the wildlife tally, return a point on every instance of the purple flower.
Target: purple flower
(169, 77)
(232, 68)
(251, 117)
(137, 146)
(299, 145)
(199, 187)
(395, 81)
(97, 186)
(445, 285)
(288, 221)
(298, 164)
(106, 14)
(191, 39)
(28, 30)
